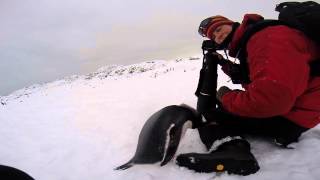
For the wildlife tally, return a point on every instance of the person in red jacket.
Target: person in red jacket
(280, 100)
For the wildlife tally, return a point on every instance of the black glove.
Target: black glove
(222, 91)
(235, 72)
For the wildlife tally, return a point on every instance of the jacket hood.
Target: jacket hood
(248, 20)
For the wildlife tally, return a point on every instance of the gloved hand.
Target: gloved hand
(234, 71)
(230, 68)
(218, 55)
(222, 91)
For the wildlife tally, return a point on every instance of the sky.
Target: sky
(41, 41)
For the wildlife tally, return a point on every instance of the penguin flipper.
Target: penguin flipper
(124, 166)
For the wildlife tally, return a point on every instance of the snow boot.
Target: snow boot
(233, 157)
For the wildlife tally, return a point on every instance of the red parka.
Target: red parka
(279, 72)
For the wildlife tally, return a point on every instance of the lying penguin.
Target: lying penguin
(11, 173)
(161, 134)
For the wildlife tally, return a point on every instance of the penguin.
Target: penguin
(161, 134)
(7, 172)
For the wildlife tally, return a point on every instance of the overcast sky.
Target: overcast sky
(43, 40)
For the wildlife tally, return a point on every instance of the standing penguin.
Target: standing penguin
(161, 134)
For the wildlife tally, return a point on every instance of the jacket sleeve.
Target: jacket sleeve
(279, 72)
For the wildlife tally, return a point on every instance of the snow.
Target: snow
(82, 127)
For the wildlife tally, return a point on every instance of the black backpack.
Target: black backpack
(304, 16)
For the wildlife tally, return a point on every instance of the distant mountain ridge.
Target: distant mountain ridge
(153, 68)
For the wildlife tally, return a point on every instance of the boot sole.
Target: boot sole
(207, 164)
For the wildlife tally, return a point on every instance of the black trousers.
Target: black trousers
(278, 128)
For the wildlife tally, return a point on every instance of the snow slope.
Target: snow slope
(81, 127)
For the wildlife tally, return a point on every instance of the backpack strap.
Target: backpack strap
(242, 52)
(315, 68)
(254, 28)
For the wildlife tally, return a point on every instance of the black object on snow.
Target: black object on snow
(10, 173)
